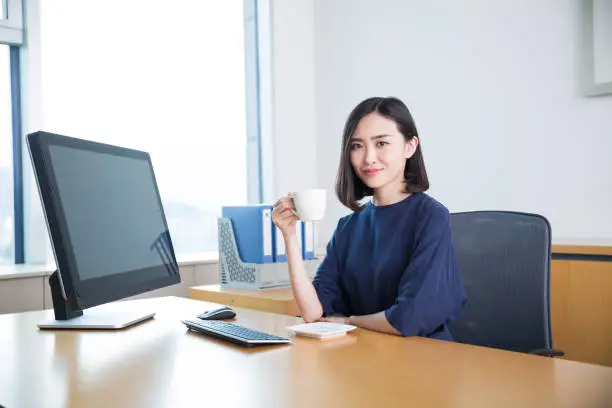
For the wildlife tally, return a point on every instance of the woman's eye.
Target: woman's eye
(355, 146)
(381, 143)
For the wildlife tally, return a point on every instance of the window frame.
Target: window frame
(258, 71)
(18, 216)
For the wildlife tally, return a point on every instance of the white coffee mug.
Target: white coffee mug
(310, 204)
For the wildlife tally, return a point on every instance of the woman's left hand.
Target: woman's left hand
(335, 319)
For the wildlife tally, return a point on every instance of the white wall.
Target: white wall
(293, 96)
(494, 89)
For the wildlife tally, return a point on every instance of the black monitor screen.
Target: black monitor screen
(105, 216)
(111, 211)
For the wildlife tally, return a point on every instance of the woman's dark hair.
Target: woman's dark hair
(349, 187)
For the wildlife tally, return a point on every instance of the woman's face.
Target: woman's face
(379, 151)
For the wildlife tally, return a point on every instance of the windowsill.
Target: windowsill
(198, 259)
(25, 271)
(40, 270)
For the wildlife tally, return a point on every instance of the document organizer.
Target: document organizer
(236, 273)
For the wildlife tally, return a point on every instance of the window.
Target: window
(6, 160)
(3, 9)
(169, 80)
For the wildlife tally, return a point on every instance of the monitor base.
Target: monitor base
(105, 317)
(100, 318)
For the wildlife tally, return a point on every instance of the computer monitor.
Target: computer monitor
(107, 226)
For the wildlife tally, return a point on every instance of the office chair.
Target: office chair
(504, 262)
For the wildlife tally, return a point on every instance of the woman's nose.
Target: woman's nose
(370, 156)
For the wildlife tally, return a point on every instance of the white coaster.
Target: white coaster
(321, 330)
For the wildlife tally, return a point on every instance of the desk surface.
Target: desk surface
(160, 364)
(582, 246)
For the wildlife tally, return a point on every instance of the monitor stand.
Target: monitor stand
(110, 316)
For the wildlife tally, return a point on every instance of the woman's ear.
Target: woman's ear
(410, 147)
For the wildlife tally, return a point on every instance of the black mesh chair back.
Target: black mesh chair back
(504, 261)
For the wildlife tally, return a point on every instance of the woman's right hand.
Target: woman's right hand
(284, 216)
(305, 295)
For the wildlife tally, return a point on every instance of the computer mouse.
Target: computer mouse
(218, 314)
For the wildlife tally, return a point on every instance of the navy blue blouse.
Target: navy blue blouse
(399, 259)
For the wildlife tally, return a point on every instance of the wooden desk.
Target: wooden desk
(279, 300)
(160, 364)
(581, 299)
(581, 247)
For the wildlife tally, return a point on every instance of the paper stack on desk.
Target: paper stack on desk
(321, 330)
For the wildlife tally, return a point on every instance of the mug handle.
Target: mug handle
(290, 195)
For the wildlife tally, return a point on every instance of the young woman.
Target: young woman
(390, 264)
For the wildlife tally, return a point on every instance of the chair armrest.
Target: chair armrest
(548, 353)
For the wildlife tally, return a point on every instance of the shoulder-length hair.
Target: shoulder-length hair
(349, 187)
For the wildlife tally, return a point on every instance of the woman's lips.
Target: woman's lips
(371, 172)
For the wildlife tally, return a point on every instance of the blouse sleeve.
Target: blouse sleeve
(430, 292)
(327, 279)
